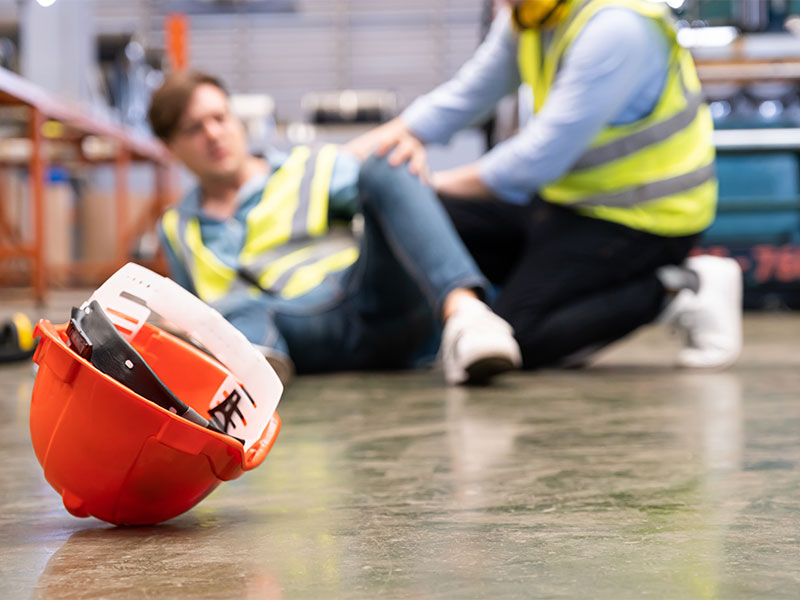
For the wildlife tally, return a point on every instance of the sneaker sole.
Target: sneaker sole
(481, 371)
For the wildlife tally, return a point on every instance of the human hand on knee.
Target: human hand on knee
(397, 141)
(406, 149)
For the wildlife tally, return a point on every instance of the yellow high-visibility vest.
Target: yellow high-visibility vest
(656, 174)
(287, 250)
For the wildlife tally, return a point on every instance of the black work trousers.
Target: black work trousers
(567, 282)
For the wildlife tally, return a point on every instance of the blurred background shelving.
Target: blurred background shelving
(306, 70)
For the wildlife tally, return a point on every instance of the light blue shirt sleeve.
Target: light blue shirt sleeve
(613, 73)
(472, 93)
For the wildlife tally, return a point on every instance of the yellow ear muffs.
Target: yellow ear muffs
(539, 13)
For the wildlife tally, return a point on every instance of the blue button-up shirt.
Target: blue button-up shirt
(612, 73)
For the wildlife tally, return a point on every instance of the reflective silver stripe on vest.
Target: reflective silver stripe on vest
(640, 140)
(300, 217)
(320, 251)
(187, 254)
(321, 248)
(651, 191)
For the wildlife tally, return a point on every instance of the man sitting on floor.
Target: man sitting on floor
(255, 240)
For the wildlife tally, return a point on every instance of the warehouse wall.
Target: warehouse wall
(407, 46)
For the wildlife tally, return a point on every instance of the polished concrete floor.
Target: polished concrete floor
(626, 480)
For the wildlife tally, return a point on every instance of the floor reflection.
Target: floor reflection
(183, 561)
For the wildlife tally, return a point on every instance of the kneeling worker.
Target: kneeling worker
(254, 240)
(586, 216)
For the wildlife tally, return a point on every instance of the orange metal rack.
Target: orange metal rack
(74, 125)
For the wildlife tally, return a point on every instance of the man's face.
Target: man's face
(209, 140)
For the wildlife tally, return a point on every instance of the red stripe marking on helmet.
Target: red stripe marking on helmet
(123, 329)
(122, 316)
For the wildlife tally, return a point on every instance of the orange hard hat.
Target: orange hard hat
(116, 455)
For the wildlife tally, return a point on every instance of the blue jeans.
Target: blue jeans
(380, 311)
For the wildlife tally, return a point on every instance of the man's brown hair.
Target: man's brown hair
(171, 99)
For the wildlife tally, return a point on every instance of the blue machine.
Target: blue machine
(758, 220)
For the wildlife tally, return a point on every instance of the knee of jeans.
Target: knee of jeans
(377, 177)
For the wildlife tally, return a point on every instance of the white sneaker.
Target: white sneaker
(477, 345)
(711, 318)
